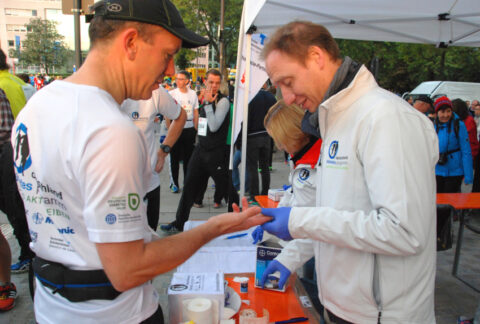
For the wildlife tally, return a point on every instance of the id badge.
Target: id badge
(202, 126)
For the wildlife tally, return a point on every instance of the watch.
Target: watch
(165, 148)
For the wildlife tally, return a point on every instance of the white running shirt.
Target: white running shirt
(188, 101)
(82, 170)
(143, 113)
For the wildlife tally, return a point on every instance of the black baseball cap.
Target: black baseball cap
(157, 12)
(425, 99)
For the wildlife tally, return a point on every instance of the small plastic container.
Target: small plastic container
(244, 286)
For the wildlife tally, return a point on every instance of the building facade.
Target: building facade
(15, 14)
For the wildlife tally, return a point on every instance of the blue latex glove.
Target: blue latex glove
(273, 267)
(257, 234)
(278, 226)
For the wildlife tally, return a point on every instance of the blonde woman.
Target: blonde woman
(284, 124)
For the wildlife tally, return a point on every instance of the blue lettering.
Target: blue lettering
(24, 185)
(48, 220)
(67, 230)
(262, 38)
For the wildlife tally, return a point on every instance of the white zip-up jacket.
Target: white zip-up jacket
(303, 180)
(375, 221)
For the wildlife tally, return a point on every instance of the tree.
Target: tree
(204, 17)
(183, 58)
(43, 45)
(402, 66)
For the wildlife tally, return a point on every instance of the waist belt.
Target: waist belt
(74, 285)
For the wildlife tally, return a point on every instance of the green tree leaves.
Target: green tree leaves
(43, 45)
(203, 16)
(402, 66)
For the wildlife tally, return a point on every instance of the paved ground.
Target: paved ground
(452, 297)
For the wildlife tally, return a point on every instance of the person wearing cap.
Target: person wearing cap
(82, 175)
(374, 219)
(455, 161)
(424, 105)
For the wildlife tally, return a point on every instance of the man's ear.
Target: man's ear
(317, 56)
(130, 40)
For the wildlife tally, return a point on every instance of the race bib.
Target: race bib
(202, 126)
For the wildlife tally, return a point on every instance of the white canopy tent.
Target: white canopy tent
(439, 22)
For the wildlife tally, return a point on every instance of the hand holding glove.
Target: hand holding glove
(273, 267)
(278, 226)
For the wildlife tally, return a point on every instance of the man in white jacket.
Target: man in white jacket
(373, 230)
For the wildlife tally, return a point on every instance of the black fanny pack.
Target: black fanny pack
(74, 285)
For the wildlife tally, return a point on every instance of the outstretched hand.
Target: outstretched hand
(239, 220)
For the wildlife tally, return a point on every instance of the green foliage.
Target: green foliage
(204, 17)
(183, 57)
(402, 66)
(43, 45)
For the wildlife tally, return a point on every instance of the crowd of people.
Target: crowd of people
(364, 169)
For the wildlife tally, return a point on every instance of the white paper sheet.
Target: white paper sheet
(235, 255)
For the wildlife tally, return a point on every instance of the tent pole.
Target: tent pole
(241, 36)
(245, 115)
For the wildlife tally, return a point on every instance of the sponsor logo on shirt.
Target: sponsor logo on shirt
(135, 115)
(24, 185)
(133, 201)
(332, 150)
(56, 212)
(335, 161)
(22, 158)
(44, 201)
(61, 244)
(304, 174)
(37, 218)
(111, 219)
(48, 220)
(33, 236)
(45, 188)
(66, 230)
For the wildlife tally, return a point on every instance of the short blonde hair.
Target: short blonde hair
(284, 123)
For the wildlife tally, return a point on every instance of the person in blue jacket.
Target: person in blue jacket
(455, 160)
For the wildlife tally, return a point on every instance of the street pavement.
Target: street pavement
(452, 297)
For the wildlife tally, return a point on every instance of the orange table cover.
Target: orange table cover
(264, 202)
(281, 306)
(460, 200)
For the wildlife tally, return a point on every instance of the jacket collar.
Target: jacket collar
(308, 154)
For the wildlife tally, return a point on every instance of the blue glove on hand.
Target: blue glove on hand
(257, 235)
(273, 267)
(278, 226)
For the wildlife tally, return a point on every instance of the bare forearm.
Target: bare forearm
(175, 128)
(141, 262)
(130, 264)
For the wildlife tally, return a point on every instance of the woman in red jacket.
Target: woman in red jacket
(461, 109)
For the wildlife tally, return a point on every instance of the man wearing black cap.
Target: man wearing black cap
(423, 104)
(82, 167)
